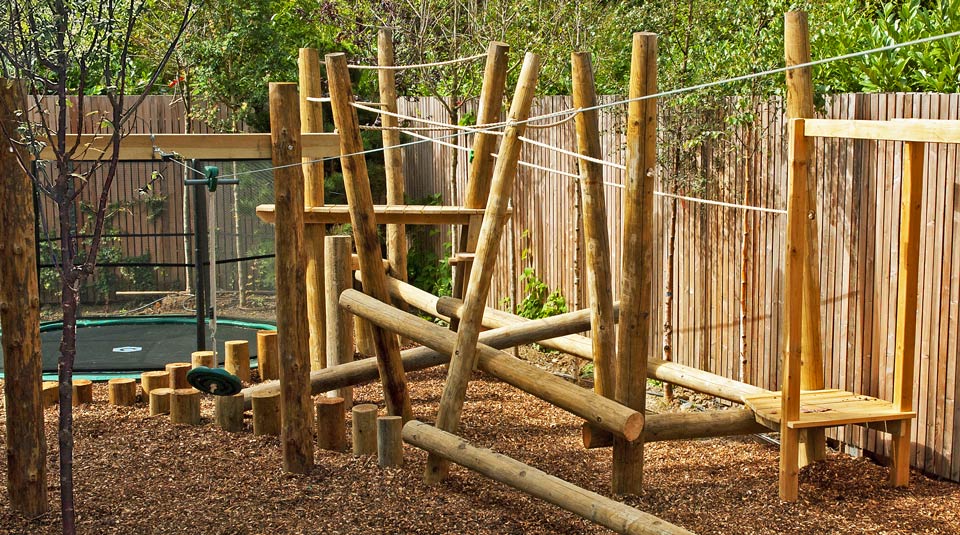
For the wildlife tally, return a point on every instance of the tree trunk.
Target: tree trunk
(744, 260)
(668, 297)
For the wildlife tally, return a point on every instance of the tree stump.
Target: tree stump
(237, 358)
(50, 393)
(82, 391)
(153, 380)
(228, 412)
(203, 358)
(160, 401)
(122, 392)
(331, 424)
(389, 441)
(178, 374)
(364, 429)
(185, 406)
(268, 355)
(266, 413)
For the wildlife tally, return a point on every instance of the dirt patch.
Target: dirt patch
(137, 474)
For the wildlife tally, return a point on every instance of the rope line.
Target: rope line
(573, 115)
(574, 154)
(404, 129)
(492, 127)
(432, 122)
(719, 203)
(415, 66)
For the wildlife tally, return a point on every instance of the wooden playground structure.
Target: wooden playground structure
(316, 277)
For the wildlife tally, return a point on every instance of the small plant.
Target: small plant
(539, 302)
(155, 205)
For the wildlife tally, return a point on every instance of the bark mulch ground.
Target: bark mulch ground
(137, 474)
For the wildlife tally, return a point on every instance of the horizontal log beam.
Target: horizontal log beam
(701, 381)
(584, 403)
(924, 130)
(590, 505)
(193, 146)
(421, 358)
(683, 426)
(385, 214)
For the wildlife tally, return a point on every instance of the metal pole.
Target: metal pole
(200, 255)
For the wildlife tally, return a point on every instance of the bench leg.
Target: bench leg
(900, 455)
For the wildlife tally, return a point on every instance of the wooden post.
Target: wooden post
(237, 358)
(228, 412)
(481, 168)
(20, 317)
(339, 327)
(293, 334)
(331, 424)
(160, 401)
(392, 158)
(800, 106)
(82, 391)
(363, 337)
(152, 380)
(266, 413)
(364, 429)
(51, 393)
(122, 391)
(185, 406)
(590, 505)
(389, 441)
(911, 210)
(203, 358)
(464, 357)
(311, 122)
(793, 296)
(600, 411)
(602, 326)
(178, 374)
(357, 185)
(634, 343)
(268, 355)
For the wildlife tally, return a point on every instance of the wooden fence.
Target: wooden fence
(859, 183)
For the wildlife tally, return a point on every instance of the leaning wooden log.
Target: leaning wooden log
(603, 412)
(122, 392)
(683, 426)
(421, 358)
(590, 505)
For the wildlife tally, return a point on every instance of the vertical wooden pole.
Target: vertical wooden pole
(484, 144)
(392, 158)
(634, 342)
(20, 318)
(600, 293)
(236, 358)
(339, 327)
(800, 105)
(311, 122)
(793, 285)
(911, 208)
(268, 360)
(494, 218)
(363, 429)
(292, 331)
(357, 185)
(389, 441)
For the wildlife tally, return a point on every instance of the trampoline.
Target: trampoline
(121, 347)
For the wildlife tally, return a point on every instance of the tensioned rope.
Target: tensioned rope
(416, 66)
(470, 129)
(671, 92)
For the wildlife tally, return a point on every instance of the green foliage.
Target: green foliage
(425, 268)
(539, 301)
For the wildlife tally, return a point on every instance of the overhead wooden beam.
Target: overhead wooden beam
(590, 505)
(363, 219)
(311, 120)
(634, 343)
(401, 215)
(605, 413)
(914, 130)
(800, 105)
(292, 334)
(194, 146)
(478, 285)
(26, 443)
